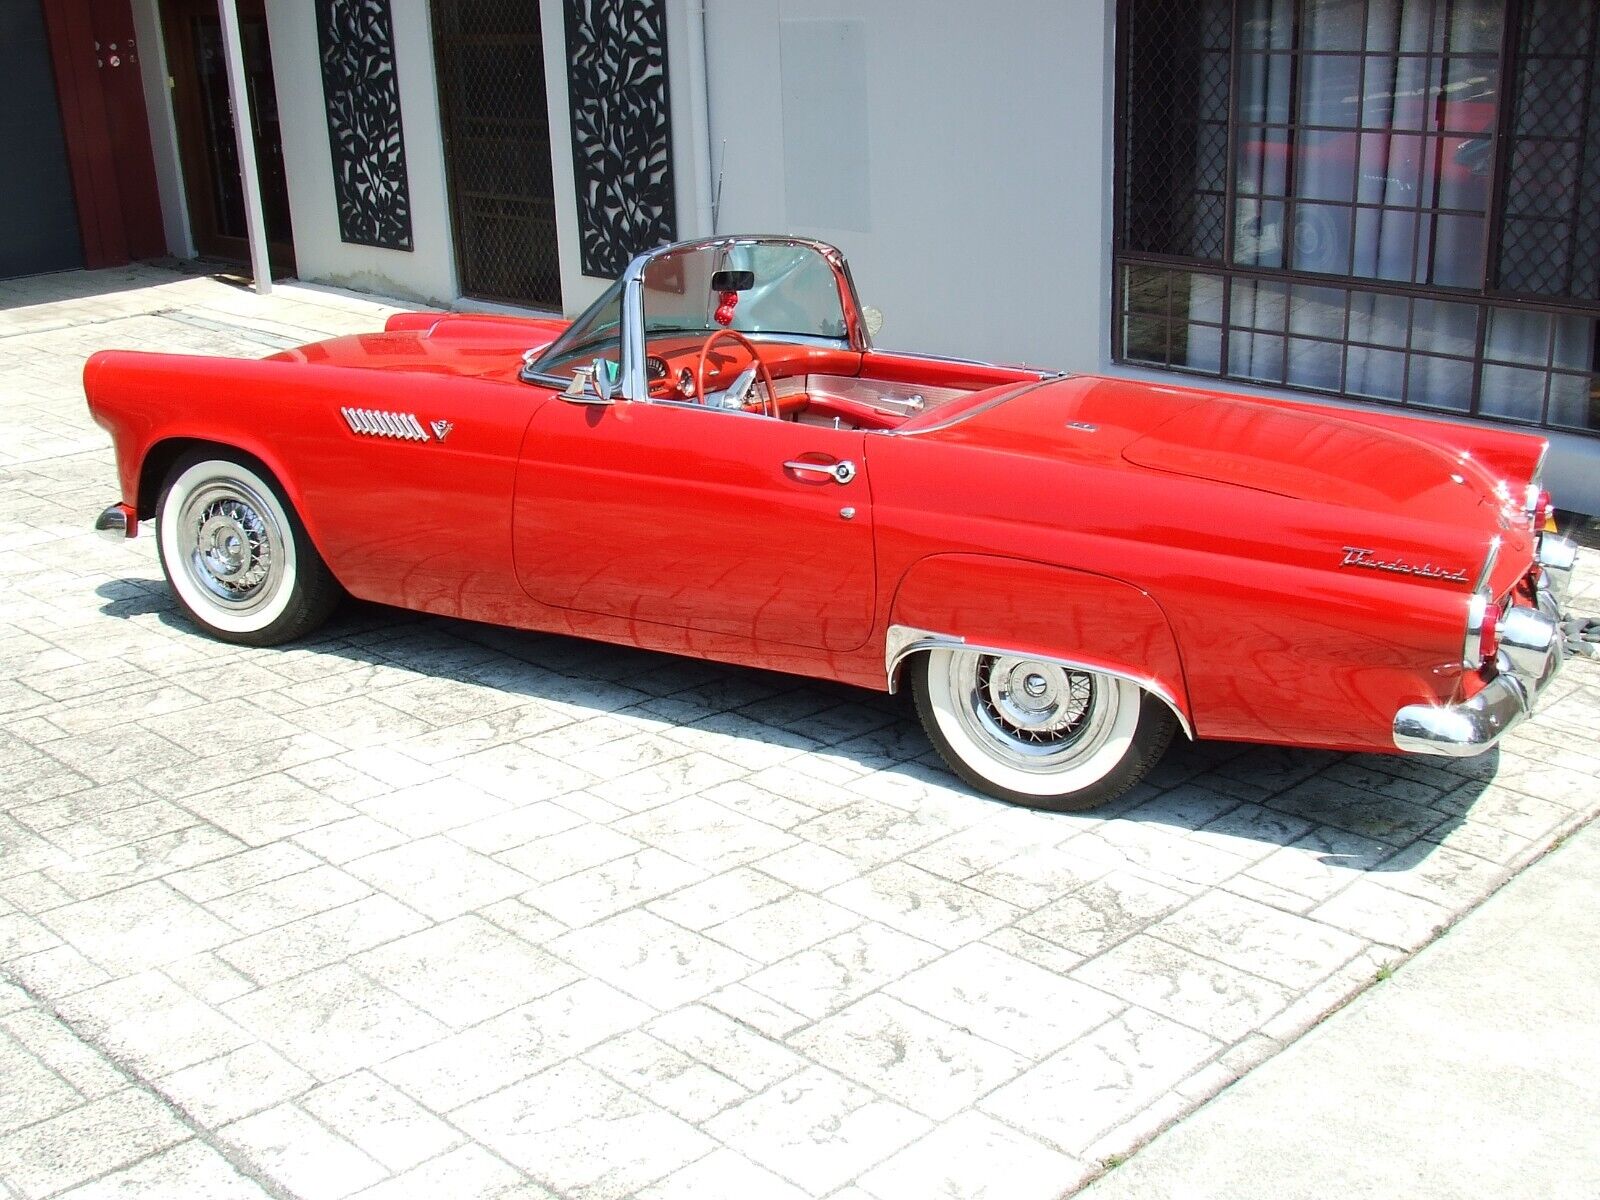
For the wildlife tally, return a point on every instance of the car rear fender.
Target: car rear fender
(1015, 606)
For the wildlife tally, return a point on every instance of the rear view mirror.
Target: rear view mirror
(732, 281)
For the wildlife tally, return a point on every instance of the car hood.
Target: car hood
(462, 346)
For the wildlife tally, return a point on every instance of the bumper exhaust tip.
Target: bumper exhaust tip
(1557, 557)
(117, 523)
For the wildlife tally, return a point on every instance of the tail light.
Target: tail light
(1482, 645)
(1544, 514)
(1483, 615)
(1541, 509)
(1489, 634)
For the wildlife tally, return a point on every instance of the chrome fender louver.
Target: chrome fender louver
(376, 423)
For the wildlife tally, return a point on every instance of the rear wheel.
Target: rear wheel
(1038, 733)
(237, 557)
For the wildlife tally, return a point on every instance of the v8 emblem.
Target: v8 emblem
(441, 429)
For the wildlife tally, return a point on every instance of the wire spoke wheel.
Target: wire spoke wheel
(1034, 715)
(236, 556)
(232, 546)
(1038, 732)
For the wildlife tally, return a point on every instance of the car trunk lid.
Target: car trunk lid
(1303, 456)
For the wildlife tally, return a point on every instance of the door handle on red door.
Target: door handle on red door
(842, 471)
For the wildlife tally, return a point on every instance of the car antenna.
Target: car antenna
(716, 198)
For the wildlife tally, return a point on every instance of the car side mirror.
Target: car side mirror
(591, 385)
(872, 318)
(603, 381)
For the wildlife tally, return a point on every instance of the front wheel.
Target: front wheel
(1038, 733)
(237, 557)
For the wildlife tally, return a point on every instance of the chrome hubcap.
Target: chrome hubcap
(233, 546)
(1039, 716)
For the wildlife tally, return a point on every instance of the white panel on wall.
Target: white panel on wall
(979, 219)
(826, 164)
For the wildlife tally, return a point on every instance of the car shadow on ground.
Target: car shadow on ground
(1361, 812)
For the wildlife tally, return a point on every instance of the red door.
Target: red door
(683, 515)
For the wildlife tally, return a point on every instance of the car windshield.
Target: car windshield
(595, 334)
(781, 288)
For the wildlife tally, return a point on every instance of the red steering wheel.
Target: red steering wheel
(762, 373)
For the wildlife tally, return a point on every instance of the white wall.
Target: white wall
(153, 75)
(428, 271)
(577, 289)
(983, 226)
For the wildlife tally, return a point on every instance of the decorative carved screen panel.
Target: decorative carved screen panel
(356, 38)
(621, 129)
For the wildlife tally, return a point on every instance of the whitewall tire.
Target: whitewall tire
(1035, 732)
(236, 556)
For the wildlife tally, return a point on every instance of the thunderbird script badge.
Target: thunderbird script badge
(1355, 556)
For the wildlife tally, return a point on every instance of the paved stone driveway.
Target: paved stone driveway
(437, 910)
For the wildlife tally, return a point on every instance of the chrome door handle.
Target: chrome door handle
(842, 471)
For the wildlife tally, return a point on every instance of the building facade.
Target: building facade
(1392, 202)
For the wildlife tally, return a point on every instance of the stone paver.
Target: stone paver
(422, 908)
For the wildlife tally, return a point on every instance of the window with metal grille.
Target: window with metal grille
(490, 61)
(1347, 196)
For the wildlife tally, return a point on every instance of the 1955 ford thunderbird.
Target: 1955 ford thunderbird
(714, 460)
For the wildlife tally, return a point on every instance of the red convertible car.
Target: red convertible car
(714, 460)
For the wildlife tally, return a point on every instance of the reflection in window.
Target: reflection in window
(1372, 165)
(1535, 367)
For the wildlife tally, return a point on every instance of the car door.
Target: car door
(683, 515)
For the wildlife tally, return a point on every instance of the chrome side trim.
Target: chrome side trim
(1488, 564)
(902, 641)
(1477, 612)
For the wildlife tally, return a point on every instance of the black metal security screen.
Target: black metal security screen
(1551, 234)
(1397, 200)
(490, 57)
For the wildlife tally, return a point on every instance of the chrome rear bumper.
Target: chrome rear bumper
(1464, 729)
(1534, 642)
